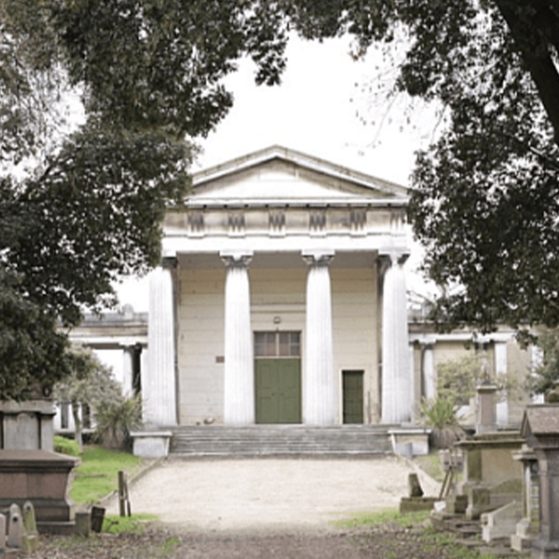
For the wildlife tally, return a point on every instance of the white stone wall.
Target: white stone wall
(200, 316)
(276, 292)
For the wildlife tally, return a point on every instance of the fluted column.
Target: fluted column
(127, 370)
(429, 380)
(397, 386)
(320, 384)
(159, 390)
(239, 355)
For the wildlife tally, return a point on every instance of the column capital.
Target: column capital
(236, 258)
(393, 256)
(318, 257)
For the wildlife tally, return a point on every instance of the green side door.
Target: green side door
(352, 396)
(278, 390)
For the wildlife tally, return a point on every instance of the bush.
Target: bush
(115, 421)
(440, 415)
(66, 446)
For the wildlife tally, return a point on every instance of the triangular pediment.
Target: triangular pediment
(278, 174)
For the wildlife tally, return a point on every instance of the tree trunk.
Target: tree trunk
(77, 424)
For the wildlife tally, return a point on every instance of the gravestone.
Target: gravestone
(15, 527)
(2, 534)
(31, 536)
(414, 487)
(540, 426)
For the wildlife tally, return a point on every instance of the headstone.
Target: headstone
(15, 527)
(414, 487)
(29, 521)
(2, 534)
(83, 523)
(486, 420)
(30, 536)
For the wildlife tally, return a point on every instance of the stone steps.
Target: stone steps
(280, 440)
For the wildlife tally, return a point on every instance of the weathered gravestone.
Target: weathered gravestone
(540, 426)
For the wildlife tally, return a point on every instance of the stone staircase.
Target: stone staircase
(280, 440)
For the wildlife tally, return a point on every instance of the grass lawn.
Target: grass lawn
(96, 476)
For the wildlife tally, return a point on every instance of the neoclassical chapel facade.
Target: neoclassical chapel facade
(281, 298)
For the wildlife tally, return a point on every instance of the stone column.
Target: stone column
(500, 356)
(320, 383)
(429, 379)
(127, 370)
(397, 381)
(159, 384)
(239, 356)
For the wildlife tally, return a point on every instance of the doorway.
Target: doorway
(352, 387)
(277, 379)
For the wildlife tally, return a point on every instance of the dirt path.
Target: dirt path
(270, 494)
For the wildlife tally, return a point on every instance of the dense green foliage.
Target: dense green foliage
(486, 195)
(81, 203)
(545, 376)
(66, 446)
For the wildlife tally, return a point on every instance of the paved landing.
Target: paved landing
(270, 493)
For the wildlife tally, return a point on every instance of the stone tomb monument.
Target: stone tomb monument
(540, 426)
(41, 477)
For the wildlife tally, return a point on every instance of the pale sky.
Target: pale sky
(316, 110)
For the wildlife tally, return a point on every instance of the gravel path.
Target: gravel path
(269, 493)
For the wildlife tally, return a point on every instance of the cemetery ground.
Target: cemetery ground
(285, 527)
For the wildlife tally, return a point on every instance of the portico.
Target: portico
(282, 276)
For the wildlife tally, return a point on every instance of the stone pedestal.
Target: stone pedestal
(27, 425)
(41, 477)
(151, 444)
(528, 527)
(540, 426)
(486, 416)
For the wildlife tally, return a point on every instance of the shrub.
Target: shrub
(66, 446)
(115, 421)
(440, 415)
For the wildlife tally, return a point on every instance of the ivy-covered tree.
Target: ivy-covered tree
(81, 203)
(485, 198)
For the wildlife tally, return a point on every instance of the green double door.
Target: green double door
(278, 390)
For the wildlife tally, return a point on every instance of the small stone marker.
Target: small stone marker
(31, 535)
(15, 527)
(29, 521)
(2, 534)
(414, 487)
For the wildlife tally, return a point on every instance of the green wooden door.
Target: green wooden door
(353, 396)
(278, 390)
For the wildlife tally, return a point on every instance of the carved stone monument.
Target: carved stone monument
(41, 477)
